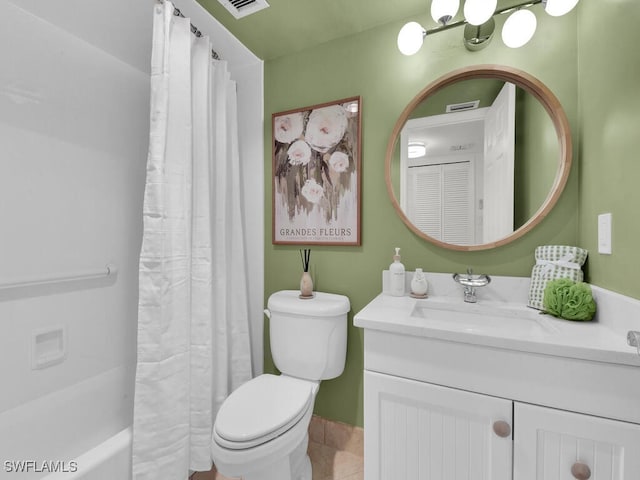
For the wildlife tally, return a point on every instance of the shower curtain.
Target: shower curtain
(193, 326)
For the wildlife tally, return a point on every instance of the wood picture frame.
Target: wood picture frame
(317, 174)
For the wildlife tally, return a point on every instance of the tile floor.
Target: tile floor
(336, 451)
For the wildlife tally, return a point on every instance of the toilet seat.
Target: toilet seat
(262, 409)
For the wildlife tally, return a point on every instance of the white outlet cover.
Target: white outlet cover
(604, 234)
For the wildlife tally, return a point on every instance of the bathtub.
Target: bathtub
(111, 460)
(82, 432)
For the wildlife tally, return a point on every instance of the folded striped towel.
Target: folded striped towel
(552, 262)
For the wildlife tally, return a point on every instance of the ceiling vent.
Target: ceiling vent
(460, 148)
(461, 107)
(242, 8)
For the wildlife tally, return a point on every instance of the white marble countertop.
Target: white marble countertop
(501, 319)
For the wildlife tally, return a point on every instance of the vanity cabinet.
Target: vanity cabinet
(417, 430)
(553, 444)
(495, 391)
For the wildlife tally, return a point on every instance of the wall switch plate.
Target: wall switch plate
(604, 233)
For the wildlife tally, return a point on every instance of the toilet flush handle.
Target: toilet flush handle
(267, 313)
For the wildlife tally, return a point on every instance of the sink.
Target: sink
(494, 318)
(500, 309)
(500, 319)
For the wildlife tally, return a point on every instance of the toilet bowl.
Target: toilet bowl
(261, 430)
(260, 427)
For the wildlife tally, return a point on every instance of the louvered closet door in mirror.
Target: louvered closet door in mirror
(442, 200)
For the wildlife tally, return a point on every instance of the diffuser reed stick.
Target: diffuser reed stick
(306, 283)
(305, 256)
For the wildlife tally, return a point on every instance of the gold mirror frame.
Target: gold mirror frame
(528, 83)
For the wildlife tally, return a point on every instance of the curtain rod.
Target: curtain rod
(194, 29)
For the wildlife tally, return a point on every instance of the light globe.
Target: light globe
(557, 8)
(519, 28)
(410, 38)
(477, 12)
(444, 10)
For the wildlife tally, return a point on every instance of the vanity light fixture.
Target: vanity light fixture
(518, 29)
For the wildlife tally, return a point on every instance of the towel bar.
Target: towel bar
(106, 271)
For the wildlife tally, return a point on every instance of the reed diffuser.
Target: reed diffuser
(306, 283)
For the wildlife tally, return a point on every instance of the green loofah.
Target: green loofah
(569, 300)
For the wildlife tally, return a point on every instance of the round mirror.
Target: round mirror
(478, 157)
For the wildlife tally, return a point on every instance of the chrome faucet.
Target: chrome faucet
(470, 294)
(470, 282)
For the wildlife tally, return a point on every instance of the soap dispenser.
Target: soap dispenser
(396, 274)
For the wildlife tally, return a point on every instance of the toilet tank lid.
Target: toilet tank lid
(321, 305)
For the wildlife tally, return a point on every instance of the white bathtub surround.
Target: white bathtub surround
(74, 122)
(193, 323)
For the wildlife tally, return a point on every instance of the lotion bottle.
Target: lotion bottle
(396, 274)
(419, 285)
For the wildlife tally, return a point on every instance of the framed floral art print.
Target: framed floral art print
(317, 174)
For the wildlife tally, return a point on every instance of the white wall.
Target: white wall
(74, 103)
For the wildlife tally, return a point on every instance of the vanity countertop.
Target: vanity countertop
(494, 322)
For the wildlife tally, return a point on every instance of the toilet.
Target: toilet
(260, 432)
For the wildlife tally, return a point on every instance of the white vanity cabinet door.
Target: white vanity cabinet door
(420, 431)
(548, 443)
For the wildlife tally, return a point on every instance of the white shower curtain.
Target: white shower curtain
(193, 326)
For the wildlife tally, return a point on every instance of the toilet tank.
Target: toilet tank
(308, 337)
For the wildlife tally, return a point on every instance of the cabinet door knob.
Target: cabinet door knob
(580, 471)
(502, 428)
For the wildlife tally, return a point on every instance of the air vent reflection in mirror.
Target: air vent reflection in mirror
(461, 107)
(458, 148)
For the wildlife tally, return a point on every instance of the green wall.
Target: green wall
(609, 96)
(369, 65)
(537, 153)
